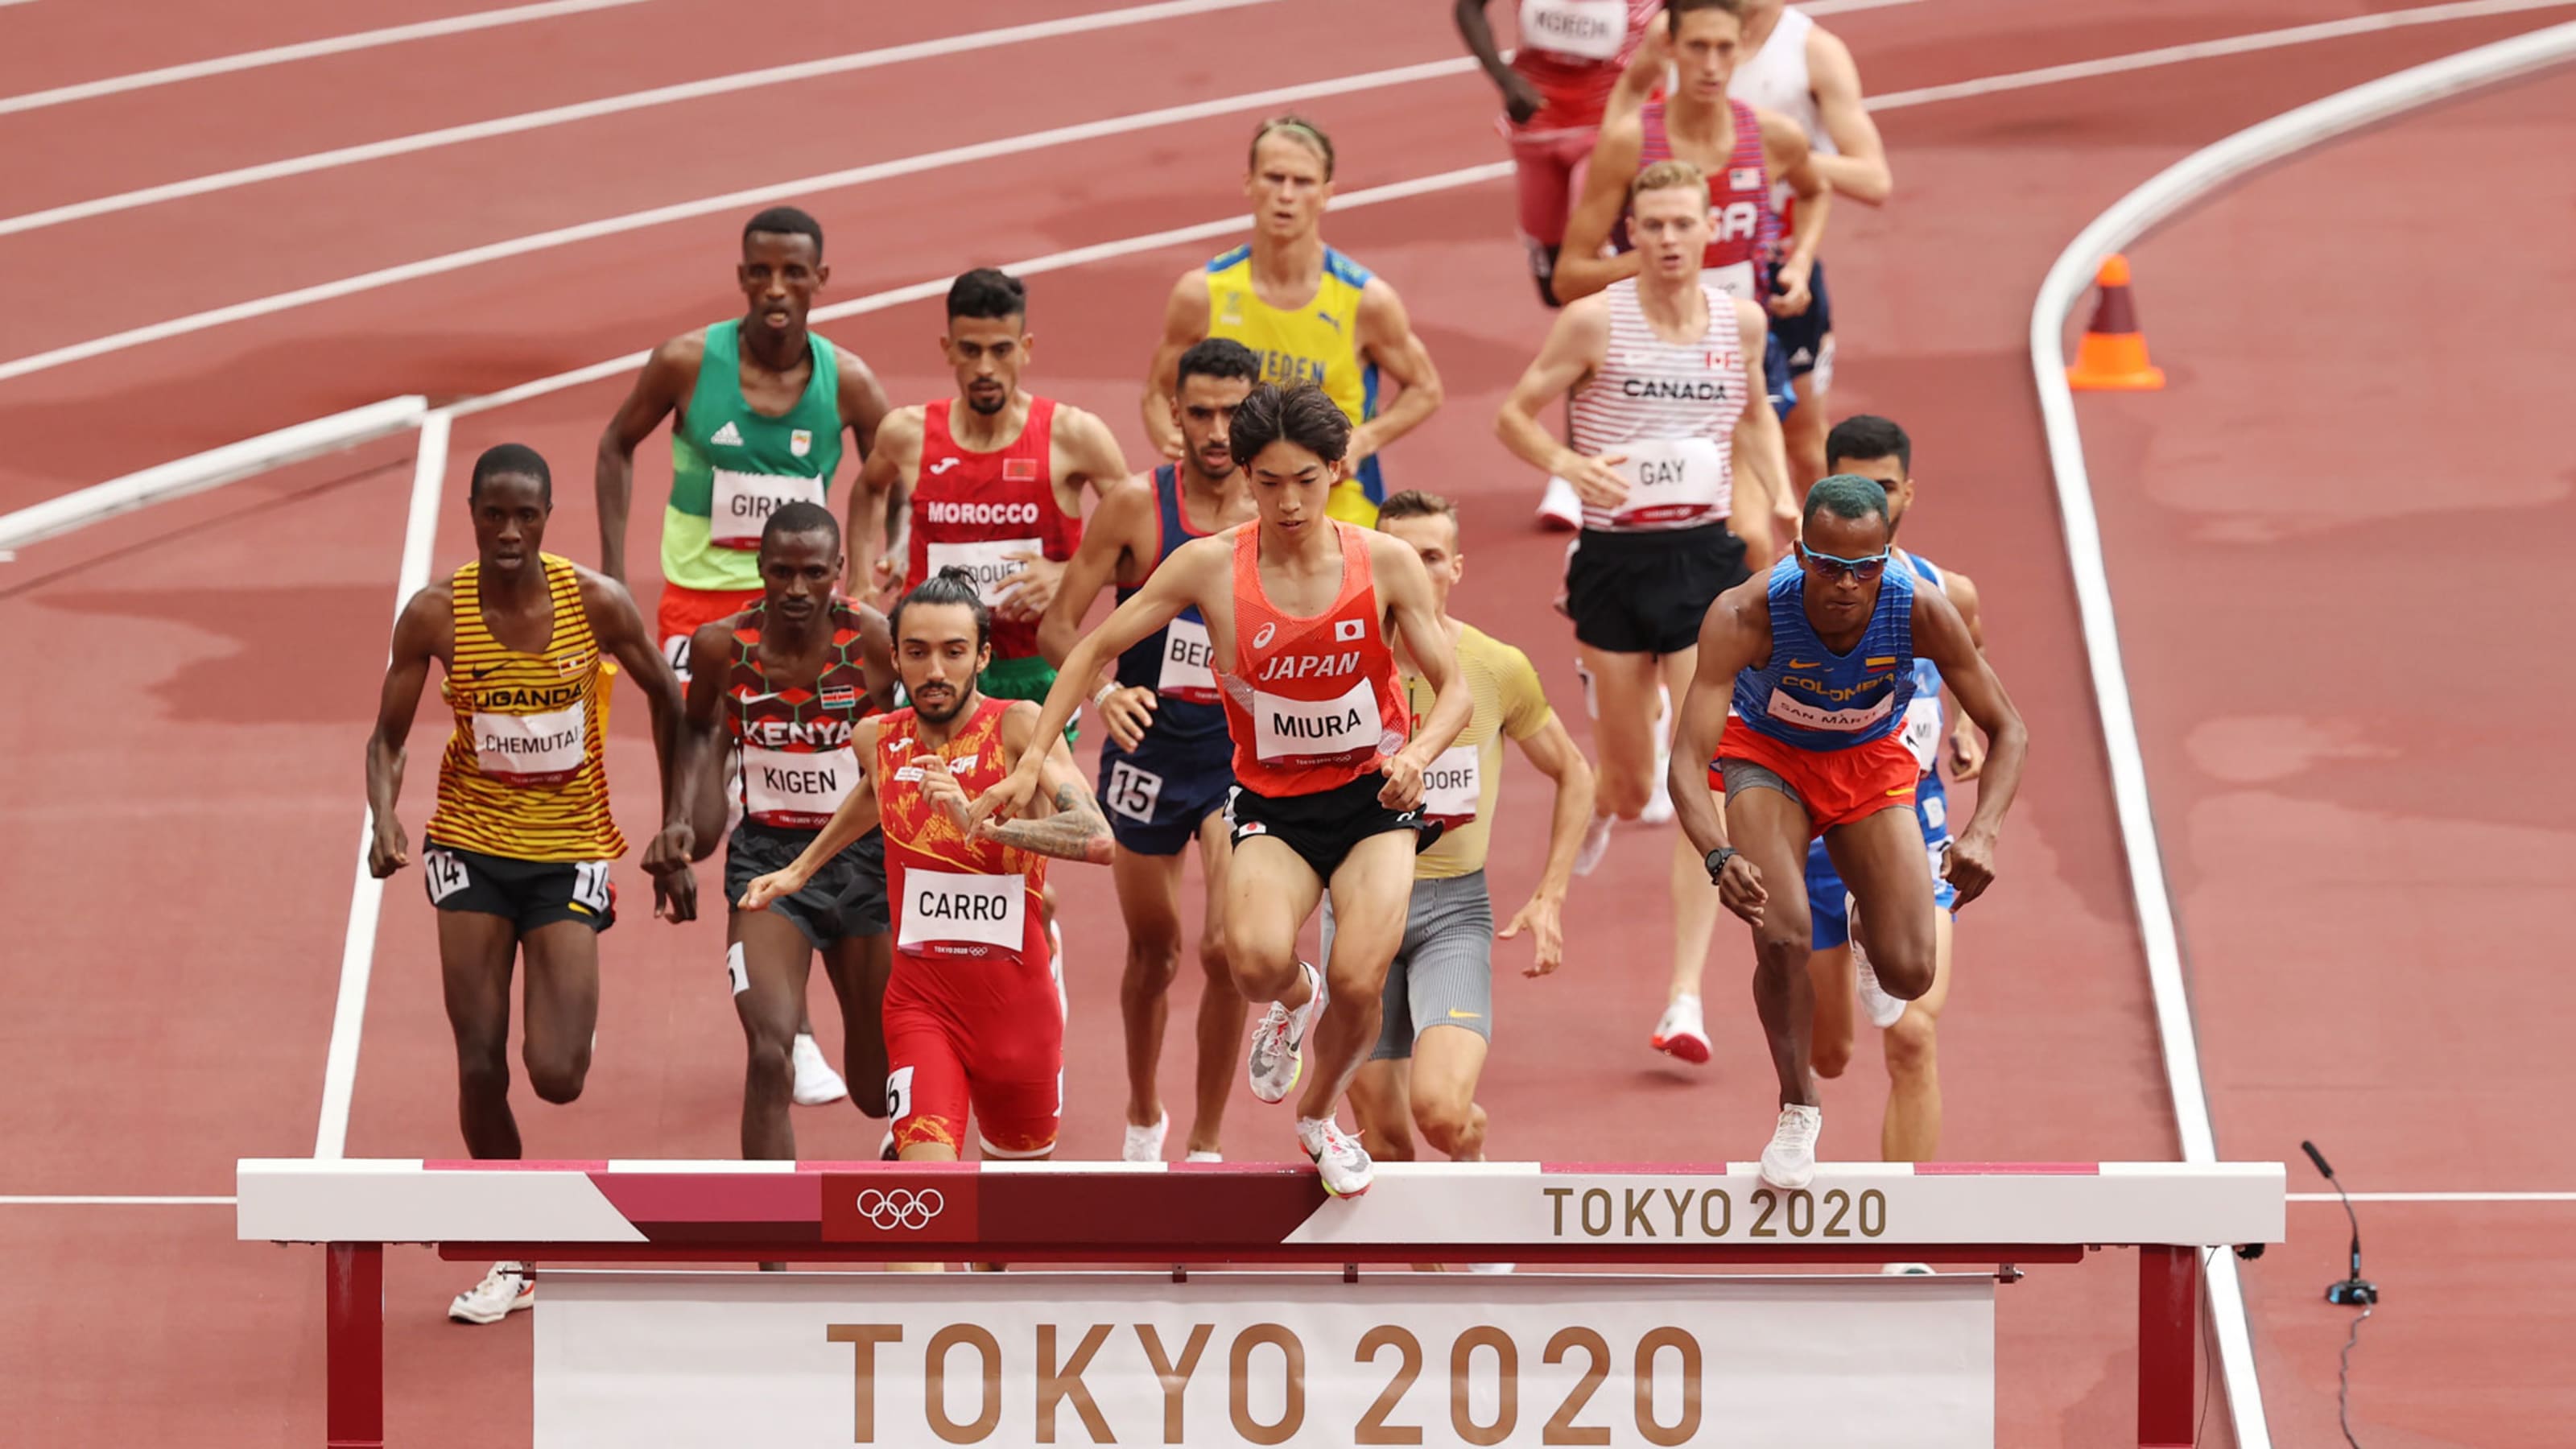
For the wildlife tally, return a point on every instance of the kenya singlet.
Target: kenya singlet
(1314, 703)
(1671, 408)
(1174, 661)
(970, 509)
(797, 759)
(523, 777)
(967, 908)
(731, 467)
(1739, 203)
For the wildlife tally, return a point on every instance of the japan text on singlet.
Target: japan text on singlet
(795, 744)
(1742, 225)
(957, 900)
(732, 467)
(1807, 695)
(1314, 702)
(972, 510)
(1573, 52)
(523, 776)
(1175, 661)
(1670, 408)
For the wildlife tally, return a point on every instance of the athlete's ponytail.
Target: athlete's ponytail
(951, 585)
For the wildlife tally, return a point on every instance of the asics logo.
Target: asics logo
(1261, 638)
(900, 1208)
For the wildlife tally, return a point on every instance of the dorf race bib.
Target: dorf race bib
(1922, 731)
(743, 502)
(1286, 730)
(985, 560)
(1454, 786)
(953, 909)
(530, 749)
(1672, 478)
(1591, 29)
(1798, 712)
(1187, 663)
(797, 790)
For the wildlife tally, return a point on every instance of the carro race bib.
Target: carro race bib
(743, 502)
(799, 790)
(958, 909)
(529, 749)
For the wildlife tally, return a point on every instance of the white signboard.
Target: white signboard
(634, 1360)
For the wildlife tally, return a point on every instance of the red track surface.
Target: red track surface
(180, 858)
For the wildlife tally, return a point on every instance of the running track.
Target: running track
(200, 791)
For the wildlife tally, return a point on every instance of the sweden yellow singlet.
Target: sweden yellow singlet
(1317, 343)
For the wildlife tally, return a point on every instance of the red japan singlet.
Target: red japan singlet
(797, 760)
(971, 509)
(1313, 703)
(957, 901)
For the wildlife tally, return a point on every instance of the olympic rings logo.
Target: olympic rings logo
(901, 1208)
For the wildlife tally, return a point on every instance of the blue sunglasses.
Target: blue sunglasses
(1862, 569)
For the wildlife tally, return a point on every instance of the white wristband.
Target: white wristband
(1101, 695)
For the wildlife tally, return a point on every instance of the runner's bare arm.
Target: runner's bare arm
(1195, 570)
(1066, 822)
(1185, 323)
(1791, 159)
(1967, 747)
(1557, 756)
(1734, 637)
(660, 390)
(1859, 170)
(620, 629)
(1521, 100)
(1576, 343)
(876, 520)
(1405, 592)
(1761, 454)
(856, 816)
(1645, 71)
(863, 400)
(1581, 269)
(702, 716)
(1083, 454)
(422, 632)
(876, 656)
(1121, 528)
(1387, 339)
(1942, 637)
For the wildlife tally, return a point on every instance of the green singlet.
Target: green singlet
(731, 467)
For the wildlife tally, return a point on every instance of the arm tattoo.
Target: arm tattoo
(1076, 831)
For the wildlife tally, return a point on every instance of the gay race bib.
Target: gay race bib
(1672, 478)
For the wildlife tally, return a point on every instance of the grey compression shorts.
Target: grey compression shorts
(1443, 974)
(1754, 775)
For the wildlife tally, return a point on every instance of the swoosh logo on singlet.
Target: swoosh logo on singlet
(942, 466)
(1802, 663)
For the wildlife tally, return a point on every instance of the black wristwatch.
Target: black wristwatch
(1717, 860)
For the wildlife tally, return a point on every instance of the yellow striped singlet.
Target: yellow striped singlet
(523, 776)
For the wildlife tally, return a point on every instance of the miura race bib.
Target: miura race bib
(1316, 729)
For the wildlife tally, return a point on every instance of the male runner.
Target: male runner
(1569, 60)
(1793, 67)
(1817, 661)
(1439, 1001)
(517, 854)
(971, 1015)
(1167, 765)
(1877, 449)
(1298, 608)
(785, 684)
(1309, 312)
(1666, 374)
(757, 408)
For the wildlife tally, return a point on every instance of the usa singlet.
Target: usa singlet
(958, 902)
(1174, 661)
(1739, 203)
(1314, 703)
(972, 509)
(1807, 695)
(523, 776)
(797, 760)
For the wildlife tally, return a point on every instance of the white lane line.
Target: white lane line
(366, 893)
(304, 50)
(2165, 195)
(613, 105)
(52, 1200)
(2455, 1197)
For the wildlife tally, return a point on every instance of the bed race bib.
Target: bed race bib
(1922, 731)
(1187, 663)
(1671, 478)
(1798, 712)
(1286, 730)
(959, 910)
(1591, 29)
(985, 559)
(742, 503)
(529, 749)
(1454, 786)
(797, 790)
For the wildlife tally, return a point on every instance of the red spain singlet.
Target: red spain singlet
(965, 911)
(1313, 703)
(970, 509)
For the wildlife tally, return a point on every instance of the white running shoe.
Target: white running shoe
(1279, 1042)
(1145, 1144)
(1205, 1157)
(1596, 843)
(1789, 1163)
(1341, 1160)
(1681, 1032)
(505, 1290)
(816, 1082)
(1560, 508)
(1881, 1008)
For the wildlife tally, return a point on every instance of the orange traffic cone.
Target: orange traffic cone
(2113, 355)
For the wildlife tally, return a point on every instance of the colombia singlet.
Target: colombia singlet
(971, 509)
(1808, 696)
(797, 759)
(958, 902)
(731, 467)
(523, 776)
(1313, 703)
